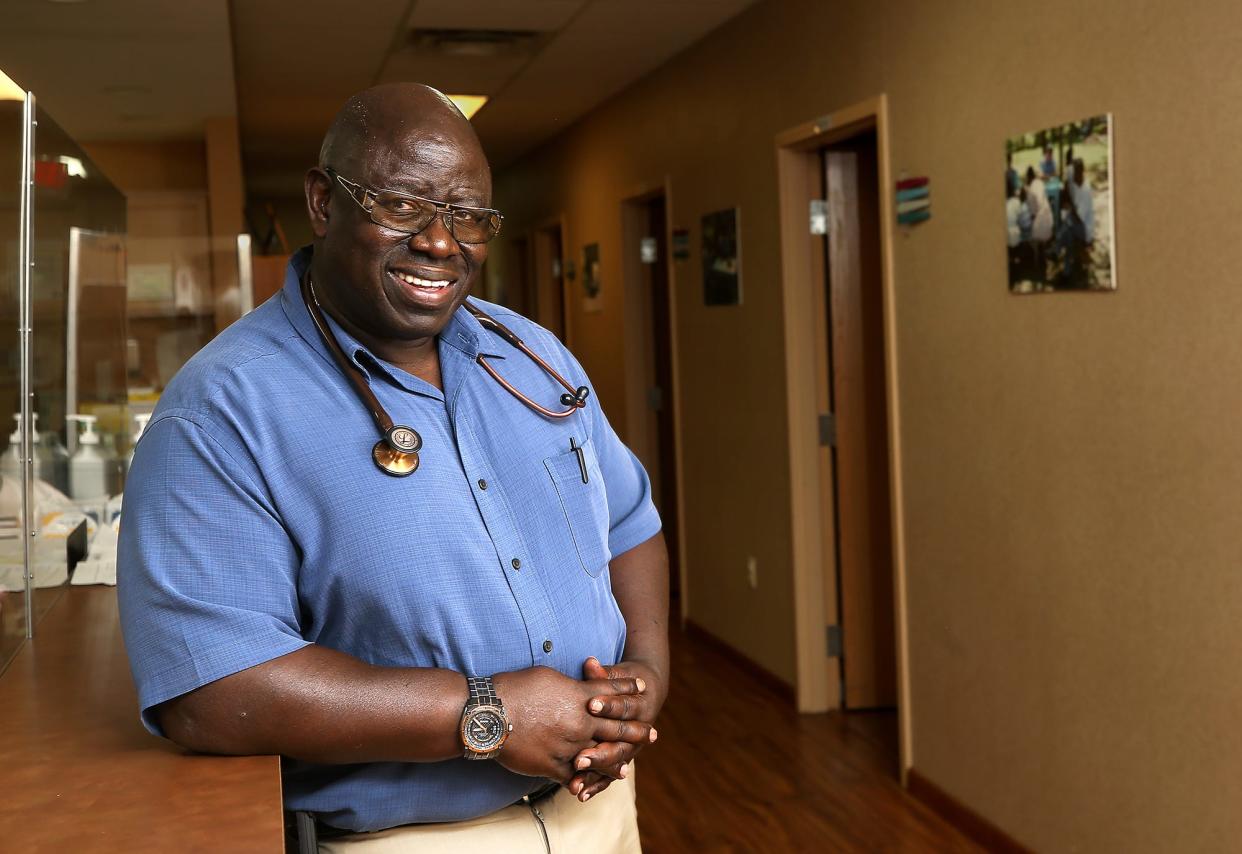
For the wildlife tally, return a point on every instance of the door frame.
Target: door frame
(636, 341)
(797, 159)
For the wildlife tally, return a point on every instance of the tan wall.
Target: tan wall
(1073, 467)
(175, 165)
(167, 188)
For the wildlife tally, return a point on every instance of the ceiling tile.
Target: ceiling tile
(122, 69)
(535, 15)
(456, 75)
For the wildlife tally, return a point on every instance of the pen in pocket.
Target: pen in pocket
(577, 449)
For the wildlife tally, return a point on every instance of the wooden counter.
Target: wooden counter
(79, 773)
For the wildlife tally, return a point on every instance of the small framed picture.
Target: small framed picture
(722, 269)
(1059, 208)
(592, 297)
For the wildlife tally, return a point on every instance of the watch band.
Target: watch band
(482, 692)
(483, 702)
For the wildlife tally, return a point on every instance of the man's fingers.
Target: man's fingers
(586, 783)
(634, 732)
(609, 758)
(622, 707)
(593, 789)
(620, 685)
(627, 685)
(592, 669)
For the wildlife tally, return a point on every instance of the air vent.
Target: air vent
(474, 42)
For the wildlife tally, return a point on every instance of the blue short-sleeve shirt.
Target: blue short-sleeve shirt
(256, 523)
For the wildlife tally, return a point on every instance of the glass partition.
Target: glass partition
(80, 370)
(116, 293)
(61, 467)
(13, 598)
(79, 291)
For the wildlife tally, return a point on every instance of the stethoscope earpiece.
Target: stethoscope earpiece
(577, 399)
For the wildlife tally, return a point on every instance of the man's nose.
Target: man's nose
(435, 240)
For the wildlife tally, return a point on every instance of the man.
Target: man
(280, 593)
(1084, 199)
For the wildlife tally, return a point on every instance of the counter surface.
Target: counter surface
(79, 773)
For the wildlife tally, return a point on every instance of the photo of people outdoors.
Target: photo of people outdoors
(1059, 208)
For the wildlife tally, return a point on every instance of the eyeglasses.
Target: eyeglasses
(412, 214)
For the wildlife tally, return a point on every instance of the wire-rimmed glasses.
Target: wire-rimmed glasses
(411, 214)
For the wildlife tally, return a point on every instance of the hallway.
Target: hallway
(782, 781)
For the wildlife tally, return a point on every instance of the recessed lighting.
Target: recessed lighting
(10, 91)
(468, 104)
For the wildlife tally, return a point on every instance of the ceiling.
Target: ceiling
(122, 69)
(155, 69)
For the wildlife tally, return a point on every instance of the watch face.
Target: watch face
(484, 729)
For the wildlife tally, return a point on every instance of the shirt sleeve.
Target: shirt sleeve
(632, 515)
(206, 572)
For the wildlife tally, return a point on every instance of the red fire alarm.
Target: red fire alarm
(51, 174)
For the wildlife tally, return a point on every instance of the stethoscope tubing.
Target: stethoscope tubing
(397, 452)
(574, 400)
(351, 371)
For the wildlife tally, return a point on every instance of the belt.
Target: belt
(327, 831)
(539, 794)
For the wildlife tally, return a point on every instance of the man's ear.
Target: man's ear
(318, 196)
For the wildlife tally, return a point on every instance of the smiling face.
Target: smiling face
(394, 291)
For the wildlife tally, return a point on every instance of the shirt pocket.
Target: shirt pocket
(585, 505)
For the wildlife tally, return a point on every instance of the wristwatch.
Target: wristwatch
(484, 726)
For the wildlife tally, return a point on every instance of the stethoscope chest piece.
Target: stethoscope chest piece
(395, 463)
(397, 453)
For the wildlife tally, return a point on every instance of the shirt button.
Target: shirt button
(482, 483)
(517, 564)
(547, 646)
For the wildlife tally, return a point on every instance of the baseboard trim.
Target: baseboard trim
(761, 673)
(961, 816)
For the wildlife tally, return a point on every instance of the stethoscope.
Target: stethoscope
(397, 453)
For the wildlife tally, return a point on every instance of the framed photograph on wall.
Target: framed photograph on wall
(592, 298)
(1059, 208)
(722, 269)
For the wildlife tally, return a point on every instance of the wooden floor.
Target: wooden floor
(737, 769)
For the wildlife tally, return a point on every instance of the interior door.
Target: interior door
(549, 281)
(856, 324)
(660, 396)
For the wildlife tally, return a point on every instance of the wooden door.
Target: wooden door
(515, 291)
(660, 396)
(856, 324)
(549, 280)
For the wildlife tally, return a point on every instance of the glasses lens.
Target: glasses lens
(402, 213)
(412, 215)
(475, 226)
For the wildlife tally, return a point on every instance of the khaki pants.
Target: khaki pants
(606, 824)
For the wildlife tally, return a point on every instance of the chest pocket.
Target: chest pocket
(585, 505)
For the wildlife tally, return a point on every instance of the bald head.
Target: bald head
(398, 146)
(375, 120)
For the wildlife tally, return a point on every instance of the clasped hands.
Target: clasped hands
(580, 733)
